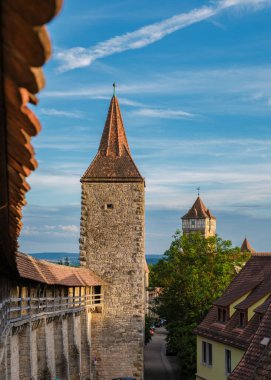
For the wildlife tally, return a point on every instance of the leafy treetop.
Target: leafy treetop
(193, 272)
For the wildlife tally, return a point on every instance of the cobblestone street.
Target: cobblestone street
(158, 366)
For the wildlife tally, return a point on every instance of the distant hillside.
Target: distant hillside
(56, 257)
(152, 259)
(73, 258)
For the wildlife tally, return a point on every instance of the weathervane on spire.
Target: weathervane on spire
(198, 188)
(114, 89)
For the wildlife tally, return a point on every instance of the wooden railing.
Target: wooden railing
(16, 309)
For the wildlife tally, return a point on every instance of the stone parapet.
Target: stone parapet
(45, 342)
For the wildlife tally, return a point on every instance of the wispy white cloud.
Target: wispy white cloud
(55, 112)
(223, 188)
(247, 147)
(68, 143)
(218, 24)
(94, 93)
(62, 183)
(129, 102)
(231, 89)
(225, 183)
(147, 149)
(70, 228)
(163, 113)
(216, 174)
(255, 4)
(51, 230)
(82, 57)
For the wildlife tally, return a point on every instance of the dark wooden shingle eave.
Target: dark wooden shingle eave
(7, 260)
(22, 54)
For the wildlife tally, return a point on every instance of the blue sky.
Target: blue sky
(194, 85)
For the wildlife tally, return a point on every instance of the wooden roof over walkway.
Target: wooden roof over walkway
(24, 48)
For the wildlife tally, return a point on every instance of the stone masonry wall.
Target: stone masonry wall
(59, 350)
(50, 347)
(33, 353)
(46, 349)
(24, 353)
(85, 344)
(14, 357)
(112, 244)
(74, 354)
(41, 351)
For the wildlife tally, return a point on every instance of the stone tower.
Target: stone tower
(112, 244)
(199, 218)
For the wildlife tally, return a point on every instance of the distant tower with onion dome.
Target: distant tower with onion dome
(199, 219)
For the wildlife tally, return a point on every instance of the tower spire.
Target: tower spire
(246, 246)
(114, 142)
(114, 89)
(113, 160)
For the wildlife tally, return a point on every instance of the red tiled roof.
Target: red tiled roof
(263, 307)
(228, 333)
(230, 296)
(255, 279)
(55, 274)
(246, 247)
(254, 254)
(114, 142)
(198, 211)
(113, 160)
(24, 48)
(256, 363)
(258, 293)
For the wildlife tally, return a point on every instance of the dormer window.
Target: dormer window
(242, 319)
(222, 315)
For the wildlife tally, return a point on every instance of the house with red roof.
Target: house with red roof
(233, 340)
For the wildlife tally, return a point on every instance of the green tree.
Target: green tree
(148, 324)
(67, 261)
(193, 272)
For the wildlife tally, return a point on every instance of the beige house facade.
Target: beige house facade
(225, 335)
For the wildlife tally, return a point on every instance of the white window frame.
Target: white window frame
(206, 358)
(228, 370)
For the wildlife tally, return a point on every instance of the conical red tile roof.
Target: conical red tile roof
(198, 211)
(246, 247)
(113, 160)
